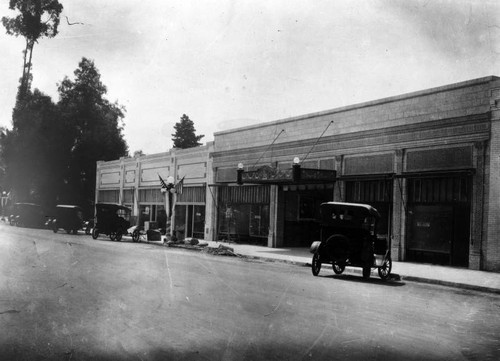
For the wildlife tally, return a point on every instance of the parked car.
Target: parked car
(27, 215)
(67, 217)
(112, 220)
(349, 238)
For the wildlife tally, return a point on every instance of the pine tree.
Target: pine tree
(97, 125)
(185, 136)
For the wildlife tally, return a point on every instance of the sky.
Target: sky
(234, 63)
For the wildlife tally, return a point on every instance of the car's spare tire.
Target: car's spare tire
(337, 247)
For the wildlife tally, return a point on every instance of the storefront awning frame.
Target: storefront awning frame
(290, 176)
(437, 174)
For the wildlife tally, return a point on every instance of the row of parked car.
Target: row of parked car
(111, 219)
(348, 232)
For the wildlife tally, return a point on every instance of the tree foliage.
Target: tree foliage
(185, 134)
(51, 152)
(34, 152)
(96, 127)
(36, 19)
(138, 153)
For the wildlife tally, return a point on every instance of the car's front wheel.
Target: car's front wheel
(316, 264)
(135, 235)
(95, 233)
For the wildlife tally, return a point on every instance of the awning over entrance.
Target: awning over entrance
(437, 174)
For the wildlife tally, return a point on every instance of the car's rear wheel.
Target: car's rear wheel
(95, 233)
(338, 268)
(316, 264)
(112, 235)
(118, 236)
(338, 247)
(385, 270)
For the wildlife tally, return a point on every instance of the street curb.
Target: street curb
(451, 284)
(351, 271)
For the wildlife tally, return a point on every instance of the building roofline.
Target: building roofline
(366, 104)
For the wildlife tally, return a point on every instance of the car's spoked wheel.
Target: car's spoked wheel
(119, 235)
(112, 236)
(338, 268)
(385, 271)
(95, 233)
(316, 264)
(135, 235)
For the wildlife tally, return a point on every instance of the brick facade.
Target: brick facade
(447, 138)
(438, 131)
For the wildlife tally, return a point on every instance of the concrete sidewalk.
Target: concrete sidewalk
(425, 273)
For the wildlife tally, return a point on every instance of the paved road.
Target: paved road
(65, 297)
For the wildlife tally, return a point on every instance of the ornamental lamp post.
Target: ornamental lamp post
(239, 178)
(169, 191)
(296, 170)
(5, 200)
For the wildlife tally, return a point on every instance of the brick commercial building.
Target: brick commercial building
(429, 161)
(134, 182)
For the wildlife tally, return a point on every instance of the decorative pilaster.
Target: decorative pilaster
(339, 188)
(273, 219)
(398, 209)
(477, 208)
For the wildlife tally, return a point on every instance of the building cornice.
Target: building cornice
(416, 94)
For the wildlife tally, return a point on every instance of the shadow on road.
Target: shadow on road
(394, 281)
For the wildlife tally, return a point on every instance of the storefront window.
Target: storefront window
(243, 221)
(378, 194)
(108, 196)
(153, 213)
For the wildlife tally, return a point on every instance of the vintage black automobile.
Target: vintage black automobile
(112, 220)
(27, 215)
(349, 238)
(68, 217)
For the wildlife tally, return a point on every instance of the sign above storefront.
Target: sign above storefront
(293, 175)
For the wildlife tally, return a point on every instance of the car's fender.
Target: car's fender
(315, 246)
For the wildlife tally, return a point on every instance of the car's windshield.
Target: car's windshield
(369, 225)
